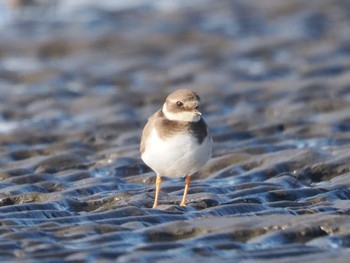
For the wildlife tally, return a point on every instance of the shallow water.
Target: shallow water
(77, 86)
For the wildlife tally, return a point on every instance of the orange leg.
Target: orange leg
(187, 185)
(158, 182)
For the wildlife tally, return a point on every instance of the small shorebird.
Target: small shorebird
(176, 141)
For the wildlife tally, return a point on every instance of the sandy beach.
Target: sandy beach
(77, 84)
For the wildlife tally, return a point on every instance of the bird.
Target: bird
(176, 141)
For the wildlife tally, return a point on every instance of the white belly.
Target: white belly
(177, 156)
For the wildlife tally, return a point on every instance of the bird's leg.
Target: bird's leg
(158, 182)
(187, 185)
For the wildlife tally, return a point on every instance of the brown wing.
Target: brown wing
(147, 129)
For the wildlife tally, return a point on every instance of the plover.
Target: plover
(176, 141)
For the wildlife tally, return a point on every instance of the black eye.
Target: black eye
(179, 104)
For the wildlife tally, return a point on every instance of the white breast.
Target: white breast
(177, 156)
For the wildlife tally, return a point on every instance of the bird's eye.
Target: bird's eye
(179, 104)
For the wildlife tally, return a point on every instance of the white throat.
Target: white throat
(180, 116)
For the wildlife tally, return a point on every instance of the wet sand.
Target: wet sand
(76, 91)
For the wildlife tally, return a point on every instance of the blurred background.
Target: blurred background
(78, 80)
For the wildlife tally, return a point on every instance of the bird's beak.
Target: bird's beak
(197, 112)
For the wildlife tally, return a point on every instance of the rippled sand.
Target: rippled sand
(75, 93)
